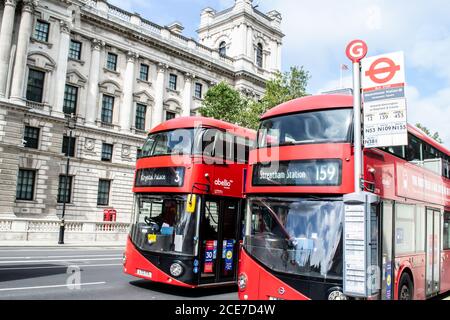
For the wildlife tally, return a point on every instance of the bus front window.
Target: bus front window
(174, 142)
(309, 127)
(297, 236)
(162, 224)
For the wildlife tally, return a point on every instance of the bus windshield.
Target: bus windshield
(297, 236)
(309, 127)
(172, 142)
(162, 224)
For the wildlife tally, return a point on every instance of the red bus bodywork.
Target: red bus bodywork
(390, 177)
(206, 181)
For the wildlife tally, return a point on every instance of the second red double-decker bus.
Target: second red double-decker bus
(299, 173)
(188, 212)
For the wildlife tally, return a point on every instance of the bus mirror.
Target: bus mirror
(191, 201)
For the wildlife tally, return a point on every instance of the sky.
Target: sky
(317, 32)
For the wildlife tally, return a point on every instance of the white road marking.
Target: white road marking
(80, 256)
(52, 286)
(60, 260)
(61, 266)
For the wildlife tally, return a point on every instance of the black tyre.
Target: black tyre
(405, 288)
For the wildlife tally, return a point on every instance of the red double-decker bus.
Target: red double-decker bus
(300, 171)
(188, 209)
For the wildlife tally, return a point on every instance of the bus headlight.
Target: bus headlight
(242, 281)
(124, 259)
(176, 269)
(337, 295)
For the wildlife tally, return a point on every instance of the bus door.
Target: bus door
(219, 240)
(432, 276)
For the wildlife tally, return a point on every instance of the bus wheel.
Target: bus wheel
(405, 288)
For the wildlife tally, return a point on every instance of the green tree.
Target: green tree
(222, 102)
(427, 131)
(286, 86)
(225, 103)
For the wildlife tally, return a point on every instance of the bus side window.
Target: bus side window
(446, 231)
(414, 149)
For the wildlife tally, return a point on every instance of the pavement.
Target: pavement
(84, 273)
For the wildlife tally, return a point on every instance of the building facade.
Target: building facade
(106, 76)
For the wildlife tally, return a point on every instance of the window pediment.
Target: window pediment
(143, 97)
(41, 60)
(110, 87)
(74, 77)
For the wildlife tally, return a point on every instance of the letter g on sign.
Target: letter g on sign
(356, 50)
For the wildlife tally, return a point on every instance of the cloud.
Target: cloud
(317, 33)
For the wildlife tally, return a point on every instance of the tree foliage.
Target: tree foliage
(427, 131)
(222, 102)
(225, 103)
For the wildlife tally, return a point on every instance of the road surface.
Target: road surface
(54, 273)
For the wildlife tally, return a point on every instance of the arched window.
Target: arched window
(259, 55)
(223, 49)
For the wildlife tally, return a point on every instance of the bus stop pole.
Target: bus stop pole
(357, 125)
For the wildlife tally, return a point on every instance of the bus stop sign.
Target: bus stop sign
(356, 50)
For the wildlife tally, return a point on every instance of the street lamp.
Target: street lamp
(71, 124)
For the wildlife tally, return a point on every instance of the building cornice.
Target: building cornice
(225, 18)
(160, 44)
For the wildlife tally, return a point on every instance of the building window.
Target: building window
(103, 192)
(75, 50)
(170, 115)
(65, 189)
(68, 150)
(35, 86)
(198, 90)
(259, 55)
(25, 184)
(107, 109)
(141, 110)
(111, 62)
(70, 99)
(31, 137)
(107, 151)
(143, 74)
(223, 49)
(173, 81)
(41, 30)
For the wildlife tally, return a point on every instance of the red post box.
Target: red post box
(113, 214)
(106, 215)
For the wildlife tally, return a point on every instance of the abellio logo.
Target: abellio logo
(223, 183)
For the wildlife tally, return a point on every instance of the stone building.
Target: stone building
(119, 75)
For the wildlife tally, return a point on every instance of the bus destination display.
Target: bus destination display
(298, 173)
(160, 177)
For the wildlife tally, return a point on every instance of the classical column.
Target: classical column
(250, 50)
(61, 71)
(5, 42)
(20, 65)
(279, 55)
(159, 95)
(92, 94)
(128, 89)
(187, 95)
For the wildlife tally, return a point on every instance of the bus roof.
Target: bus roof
(333, 101)
(325, 101)
(426, 138)
(192, 122)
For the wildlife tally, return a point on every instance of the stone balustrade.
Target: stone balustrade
(45, 230)
(149, 28)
